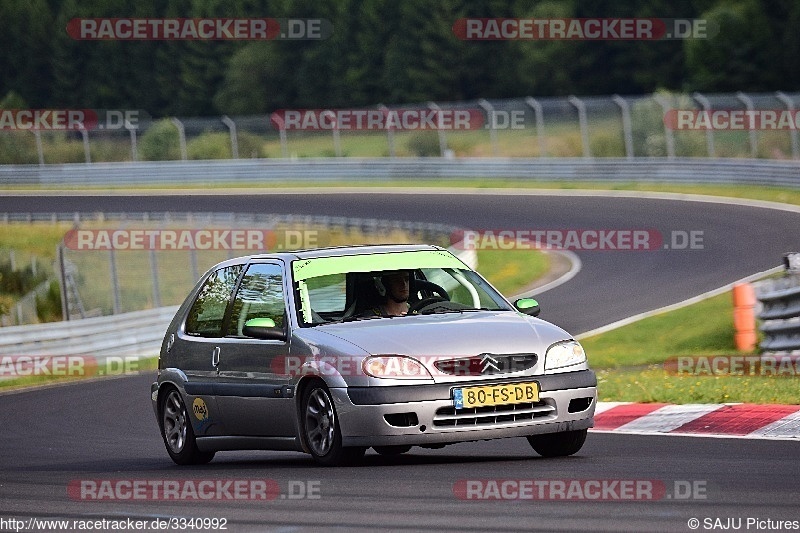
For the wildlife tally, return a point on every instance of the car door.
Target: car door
(196, 348)
(254, 396)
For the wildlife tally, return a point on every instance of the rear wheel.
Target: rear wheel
(321, 428)
(176, 428)
(558, 444)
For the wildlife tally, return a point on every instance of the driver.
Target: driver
(393, 286)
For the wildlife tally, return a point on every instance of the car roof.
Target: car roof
(338, 251)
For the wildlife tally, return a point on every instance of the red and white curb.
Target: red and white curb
(700, 420)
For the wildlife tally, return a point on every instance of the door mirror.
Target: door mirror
(263, 328)
(529, 306)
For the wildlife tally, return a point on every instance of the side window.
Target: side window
(260, 295)
(327, 293)
(205, 316)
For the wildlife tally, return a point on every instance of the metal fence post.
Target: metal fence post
(134, 147)
(539, 118)
(706, 105)
(39, 150)
(154, 274)
(785, 100)
(389, 130)
(748, 103)
(669, 138)
(112, 260)
(193, 265)
(86, 153)
(62, 279)
(337, 143)
(181, 138)
(584, 124)
(440, 131)
(490, 115)
(278, 120)
(626, 124)
(234, 140)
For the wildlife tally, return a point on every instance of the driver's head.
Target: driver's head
(396, 283)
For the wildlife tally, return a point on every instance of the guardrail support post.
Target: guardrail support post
(626, 124)
(706, 105)
(234, 140)
(584, 124)
(785, 100)
(539, 117)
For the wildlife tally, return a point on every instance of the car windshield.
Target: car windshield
(351, 288)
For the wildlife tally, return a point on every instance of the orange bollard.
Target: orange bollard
(744, 318)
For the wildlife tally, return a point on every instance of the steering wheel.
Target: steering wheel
(425, 302)
(425, 285)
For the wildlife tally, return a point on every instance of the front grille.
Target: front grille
(493, 415)
(487, 364)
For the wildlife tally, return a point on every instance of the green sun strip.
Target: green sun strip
(311, 268)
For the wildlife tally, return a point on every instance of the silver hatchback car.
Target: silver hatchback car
(335, 350)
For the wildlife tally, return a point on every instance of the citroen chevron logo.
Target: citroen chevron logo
(487, 361)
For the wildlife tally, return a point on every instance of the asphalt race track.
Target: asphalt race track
(56, 437)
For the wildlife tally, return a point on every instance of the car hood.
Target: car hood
(451, 335)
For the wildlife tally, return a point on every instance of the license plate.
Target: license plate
(509, 393)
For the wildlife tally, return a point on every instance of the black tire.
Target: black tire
(558, 444)
(320, 427)
(392, 450)
(177, 432)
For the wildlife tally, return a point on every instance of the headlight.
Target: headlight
(395, 367)
(563, 354)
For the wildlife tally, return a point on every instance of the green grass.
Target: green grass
(629, 360)
(511, 271)
(701, 329)
(655, 385)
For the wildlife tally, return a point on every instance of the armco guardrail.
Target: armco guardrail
(780, 313)
(256, 171)
(135, 334)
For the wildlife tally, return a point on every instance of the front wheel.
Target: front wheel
(176, 428)
(558, 444)
(321, 428)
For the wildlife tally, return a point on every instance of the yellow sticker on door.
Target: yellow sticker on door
(200, 409)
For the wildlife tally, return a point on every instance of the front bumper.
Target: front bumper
(424, 414)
